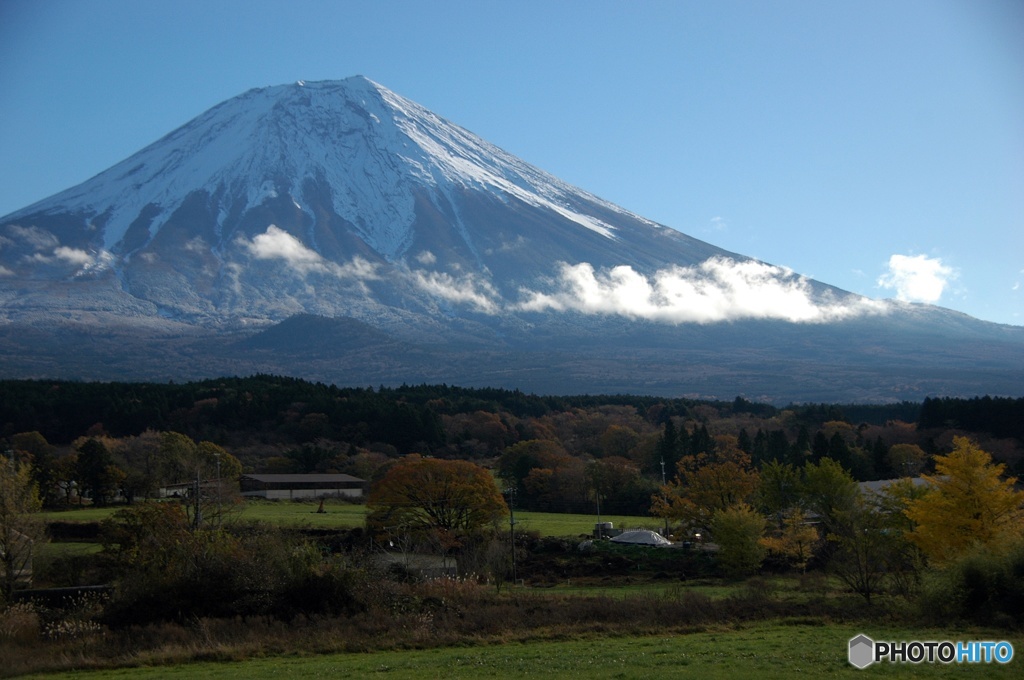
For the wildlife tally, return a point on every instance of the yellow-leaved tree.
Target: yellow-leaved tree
(969, 505)
(706, 484)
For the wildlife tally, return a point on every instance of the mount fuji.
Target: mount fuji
(338, 231)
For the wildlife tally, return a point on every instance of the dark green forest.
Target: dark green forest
(406, 417)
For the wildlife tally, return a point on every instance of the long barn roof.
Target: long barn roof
(295, 478)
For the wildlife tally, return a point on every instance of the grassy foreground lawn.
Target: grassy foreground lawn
(768, 650)
(346, 515)
(780, 587)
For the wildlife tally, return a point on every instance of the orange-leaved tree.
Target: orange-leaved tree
(428, 493)
(706, 484)
(969, 505)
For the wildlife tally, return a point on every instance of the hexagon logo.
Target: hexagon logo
(862, 651)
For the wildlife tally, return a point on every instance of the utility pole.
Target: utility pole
(663, 495)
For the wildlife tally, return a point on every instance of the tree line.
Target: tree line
(565, 454)
(273, 406)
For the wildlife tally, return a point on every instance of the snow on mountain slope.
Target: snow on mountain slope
(344, 199)
(367, 143)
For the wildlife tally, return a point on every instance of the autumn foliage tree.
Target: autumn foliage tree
(706, 484)
(427, 493)
(794, 541)
(545, 476)
(970, 505)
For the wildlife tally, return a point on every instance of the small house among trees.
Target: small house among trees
(302, 486)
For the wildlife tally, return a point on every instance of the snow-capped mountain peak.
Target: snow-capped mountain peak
(225, 219)
(372, 147)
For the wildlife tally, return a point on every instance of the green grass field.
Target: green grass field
(78, 514)
(780, 587)
(558, 524)
(768, 650)
(347, 515)
(49, 551)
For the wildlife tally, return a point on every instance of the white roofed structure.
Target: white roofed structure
(642, 537)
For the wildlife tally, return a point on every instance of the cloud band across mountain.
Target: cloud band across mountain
(718, 289)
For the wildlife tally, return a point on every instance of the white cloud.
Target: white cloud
(40, 239)
(426, 258)
(73, 256)
(197, 245)
(83, 260)
(467, 289)
(234, 271)
(277, 244)
(917, 278)
(4, 271)
(357, 268)
(508, 246)
(719, 289)
(516, 244)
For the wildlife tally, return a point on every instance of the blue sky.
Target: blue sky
(874, 145)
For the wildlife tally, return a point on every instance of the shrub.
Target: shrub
(738, 531)
(19, 622)
(170, 572)
(984, 587)
(325, 589)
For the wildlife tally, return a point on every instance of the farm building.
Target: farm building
(879, 486)
(642, 537)
(302, 486)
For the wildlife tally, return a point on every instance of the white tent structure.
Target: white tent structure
(642, 537)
